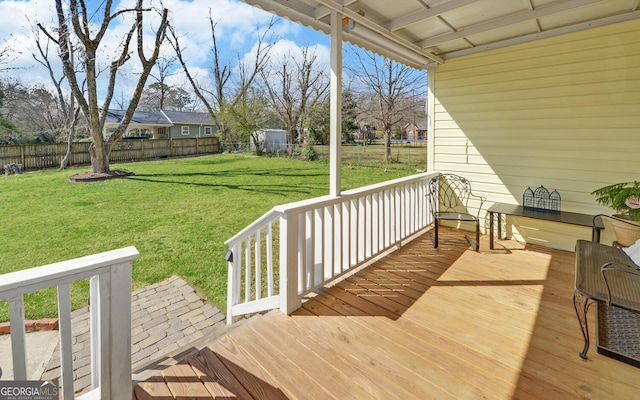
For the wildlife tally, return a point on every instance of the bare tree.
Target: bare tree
(6, 126)
(90, 37)
(158, 97)
(162, 89)
(250, 114)
(294, 86)
(389, 93)
(69, 111)
(221, 101)
(7, 53)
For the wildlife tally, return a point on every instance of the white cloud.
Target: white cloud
(289, 49)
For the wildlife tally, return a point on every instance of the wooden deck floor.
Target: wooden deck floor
(422, 323)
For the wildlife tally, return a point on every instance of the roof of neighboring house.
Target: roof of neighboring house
(419, 125)
(181, 117)
(154, 118)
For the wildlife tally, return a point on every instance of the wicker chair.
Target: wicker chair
(449, 196)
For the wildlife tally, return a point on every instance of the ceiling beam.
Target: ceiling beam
(301, 13)
(421, 16)
(363, 21)
(323, 11)
(546, 34)
(542, 11)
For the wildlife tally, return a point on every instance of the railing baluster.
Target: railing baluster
(387, 219)
(66, 349)
(233, 281)
(247, 270)
(375, 224)
(361, 234)
(18, 338)
(303, 253)
(94, 329)
(338, 239)
(269, 259)
(309, 249)
(318, 258)
(258, 262)
(369, 226)
(328, 243)
(101, 358)
(346, 235)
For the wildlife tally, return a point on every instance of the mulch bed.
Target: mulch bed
(99, 176)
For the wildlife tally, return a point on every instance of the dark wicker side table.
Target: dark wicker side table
(605, 275)
(618, 333)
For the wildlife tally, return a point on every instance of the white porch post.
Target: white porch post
(431, 123)
(335, 141)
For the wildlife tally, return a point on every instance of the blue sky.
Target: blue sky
(236, 32)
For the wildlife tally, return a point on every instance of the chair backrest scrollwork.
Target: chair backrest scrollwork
(449, 193)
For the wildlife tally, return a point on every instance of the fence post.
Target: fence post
(22, 156)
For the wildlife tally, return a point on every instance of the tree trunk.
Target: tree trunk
(72, 133)
(65, 161)
(387, 145)
(100, 158)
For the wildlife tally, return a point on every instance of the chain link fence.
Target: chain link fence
(413, 154)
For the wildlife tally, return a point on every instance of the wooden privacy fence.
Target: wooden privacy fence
(50, 155)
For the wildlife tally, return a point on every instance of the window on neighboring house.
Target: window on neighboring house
(207, 130)
(185, 130)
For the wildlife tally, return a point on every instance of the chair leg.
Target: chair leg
(434, 236)
(477, 235)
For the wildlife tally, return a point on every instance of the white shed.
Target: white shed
(271, 140)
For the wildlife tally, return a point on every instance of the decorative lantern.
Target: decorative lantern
(541, 200)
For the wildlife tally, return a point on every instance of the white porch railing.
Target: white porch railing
(313, 242)
(110, 317)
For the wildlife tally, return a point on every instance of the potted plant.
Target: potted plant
(624, 199)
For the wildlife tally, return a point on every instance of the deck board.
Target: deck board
(424, 323)
(217, 379)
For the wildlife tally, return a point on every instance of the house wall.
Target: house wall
(175, 132)
(562, 112)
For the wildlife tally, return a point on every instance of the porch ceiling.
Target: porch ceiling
(425, 33)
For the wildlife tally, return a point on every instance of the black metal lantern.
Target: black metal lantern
(541, 200)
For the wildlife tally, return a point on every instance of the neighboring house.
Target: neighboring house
(164, 124)
(189, 124)
(144, 123)
(271, 140)
(415, 131)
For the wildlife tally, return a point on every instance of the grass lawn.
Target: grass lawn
(178, 213)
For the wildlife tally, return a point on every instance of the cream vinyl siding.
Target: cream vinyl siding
(562, 112)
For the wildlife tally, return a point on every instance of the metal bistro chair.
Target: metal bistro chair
(449, 196)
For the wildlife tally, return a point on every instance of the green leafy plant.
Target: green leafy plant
(309, 153)
(623, 198)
